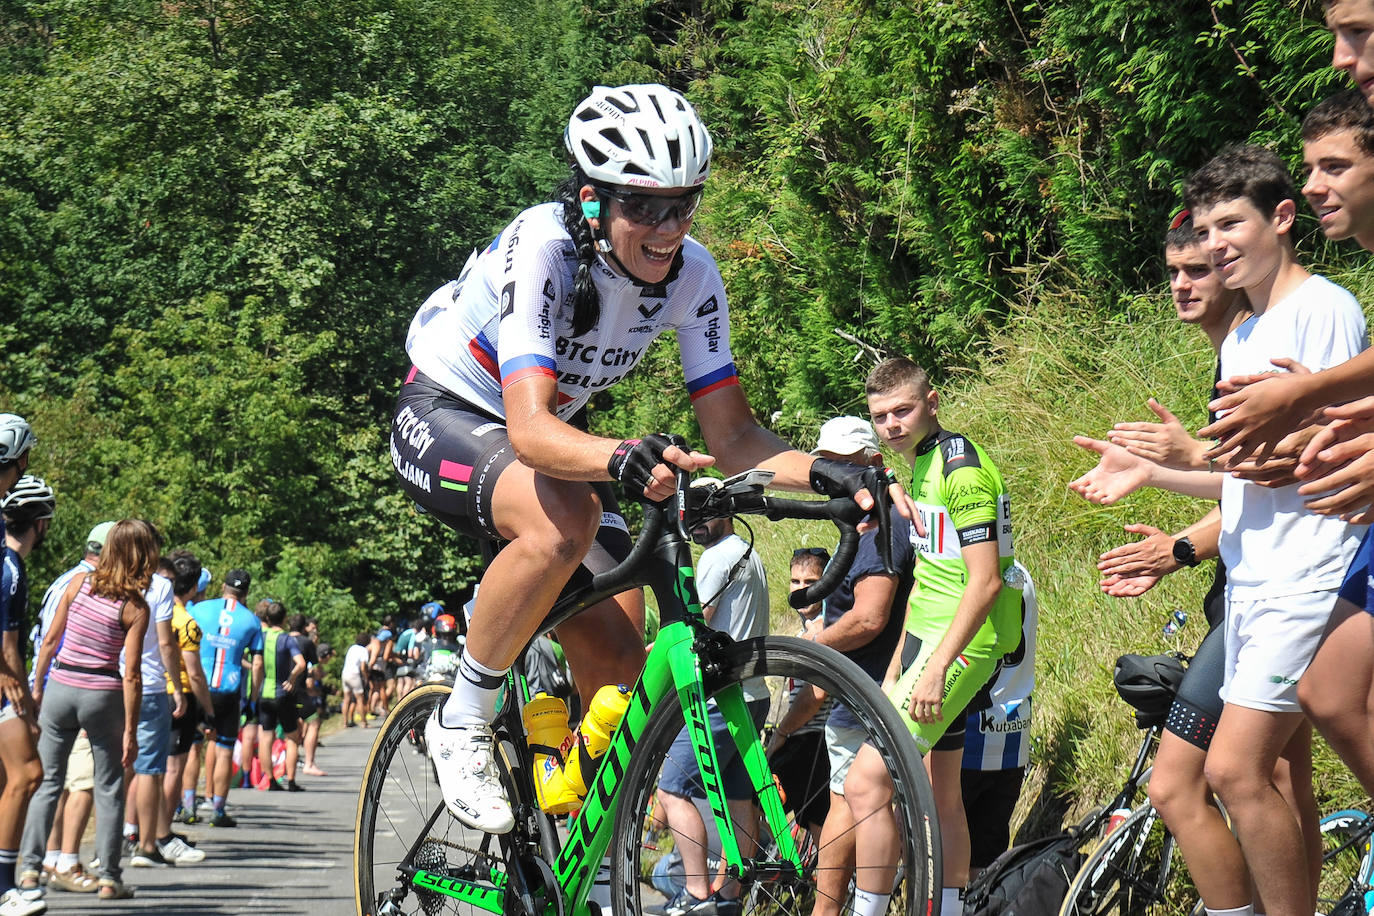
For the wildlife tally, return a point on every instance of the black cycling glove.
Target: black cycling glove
(844, 478)
(634, 460)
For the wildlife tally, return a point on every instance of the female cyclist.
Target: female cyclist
(562, 304)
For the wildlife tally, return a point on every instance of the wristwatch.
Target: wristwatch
(1185, 553)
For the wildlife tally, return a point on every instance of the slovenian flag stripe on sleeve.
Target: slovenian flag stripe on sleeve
(518, 367)
(722, 377)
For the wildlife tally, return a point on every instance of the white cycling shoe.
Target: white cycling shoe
(472, 788)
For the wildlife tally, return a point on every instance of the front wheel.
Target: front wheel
(904, 830)
(1345, 863)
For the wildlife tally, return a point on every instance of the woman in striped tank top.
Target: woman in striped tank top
(100, 615)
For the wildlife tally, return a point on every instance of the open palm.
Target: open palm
(1118, 473)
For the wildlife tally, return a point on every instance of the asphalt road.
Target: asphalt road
(290, 853)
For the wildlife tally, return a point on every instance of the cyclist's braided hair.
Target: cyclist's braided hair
(586, 301)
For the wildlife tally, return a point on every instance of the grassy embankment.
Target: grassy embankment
(1062, 368)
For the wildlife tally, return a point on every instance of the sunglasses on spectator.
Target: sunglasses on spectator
(650, 210)
(811, 552)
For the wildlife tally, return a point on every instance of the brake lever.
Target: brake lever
(882, 507)
(682, 504)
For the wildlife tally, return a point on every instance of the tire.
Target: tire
(1131, 872)
(778, 660)
(399, 795)
(1345, 863)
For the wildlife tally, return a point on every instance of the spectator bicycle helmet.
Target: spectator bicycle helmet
(15, 437)
(445, 625)
(31, 498)
(431, 609)
(643, 135)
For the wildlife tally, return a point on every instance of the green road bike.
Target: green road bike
(412, 857)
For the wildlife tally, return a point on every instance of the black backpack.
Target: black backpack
(1031, 879)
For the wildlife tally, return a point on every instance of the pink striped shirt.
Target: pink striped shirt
(93, 640)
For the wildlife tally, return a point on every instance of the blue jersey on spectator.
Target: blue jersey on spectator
(229, 629)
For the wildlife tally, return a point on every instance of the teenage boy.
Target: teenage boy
(962, 619)
(1284, 562)
(284, 671)
(183, 758)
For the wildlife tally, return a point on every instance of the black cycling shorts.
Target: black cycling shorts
(802, 766)
(225, 717)
(448, 455)
(186, 732)
(1197, 707)
(990, 797)
(279, 710)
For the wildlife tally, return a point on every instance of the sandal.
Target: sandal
(75, 879)
(113, 889)
(30, 880)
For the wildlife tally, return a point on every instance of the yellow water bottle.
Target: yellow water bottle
(603, 715)
(546, 724)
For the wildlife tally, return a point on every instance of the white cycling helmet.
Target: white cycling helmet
(643, 135)
(31, 498)
(15, 437)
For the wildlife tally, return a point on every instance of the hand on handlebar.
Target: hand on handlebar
(860, 482)
(650, 464)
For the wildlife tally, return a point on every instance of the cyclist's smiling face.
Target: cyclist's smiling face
(904, 416)
(647, 252)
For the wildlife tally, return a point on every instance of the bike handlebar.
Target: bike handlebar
(691, 506)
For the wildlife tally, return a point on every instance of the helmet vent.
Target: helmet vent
(593, 154)
(628, 107)
(675, 153)
(616, 138)
(659, 109)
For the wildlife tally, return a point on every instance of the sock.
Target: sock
(130, 831)
(475, 692)
(870, 904)
(219, 804)
(8, 859)
(1247, 910)
(50, 858)
(66, 861)
(951, 901)
(188, 799)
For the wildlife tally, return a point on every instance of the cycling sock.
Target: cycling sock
(8, 859)
(66, 861)
(188, 800)
(219, 804)
(475, 692)
(867, 903)
(951, 901)
(1247, 910)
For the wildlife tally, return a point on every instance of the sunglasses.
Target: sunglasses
(650, 210)
(811, 552)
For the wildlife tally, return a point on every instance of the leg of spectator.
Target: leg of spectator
(1240, 767)
(835, 859)
(945, 769)
(868, 789)
(76, 813)
(689, 838)
(1335, 689)
(1293, 779)
(55, 835)
(130, 804)
(312, 740)
(293, 753)
(103, 718)
(59, 728)
(266, 737)
(1179, 790)
(171, 793)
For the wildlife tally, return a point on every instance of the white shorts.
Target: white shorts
(842, 746)
(81, 765)
(1269, 644)
(354, 684)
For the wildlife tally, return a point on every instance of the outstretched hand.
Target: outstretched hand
(1118, 473)
(1133, 569)
(1165, 442)
(1258, 411)
(1338, 464)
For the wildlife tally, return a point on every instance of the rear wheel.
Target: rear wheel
(826, 870)
(403, 827)
(1345, 863)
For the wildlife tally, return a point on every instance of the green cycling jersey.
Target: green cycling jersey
(962, 501)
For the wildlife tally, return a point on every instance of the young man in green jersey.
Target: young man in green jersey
(965, 608)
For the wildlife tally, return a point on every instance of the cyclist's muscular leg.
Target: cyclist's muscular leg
(605, 644)
(945, 770)
(1179, 790)
(868, 789)
(835, 858)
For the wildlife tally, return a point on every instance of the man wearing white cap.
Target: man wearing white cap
(966, 605)
(863, 621)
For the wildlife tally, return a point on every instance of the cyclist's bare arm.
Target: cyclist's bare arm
(728, 423)
(1267, 408)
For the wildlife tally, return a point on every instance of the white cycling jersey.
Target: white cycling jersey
(509, 316)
